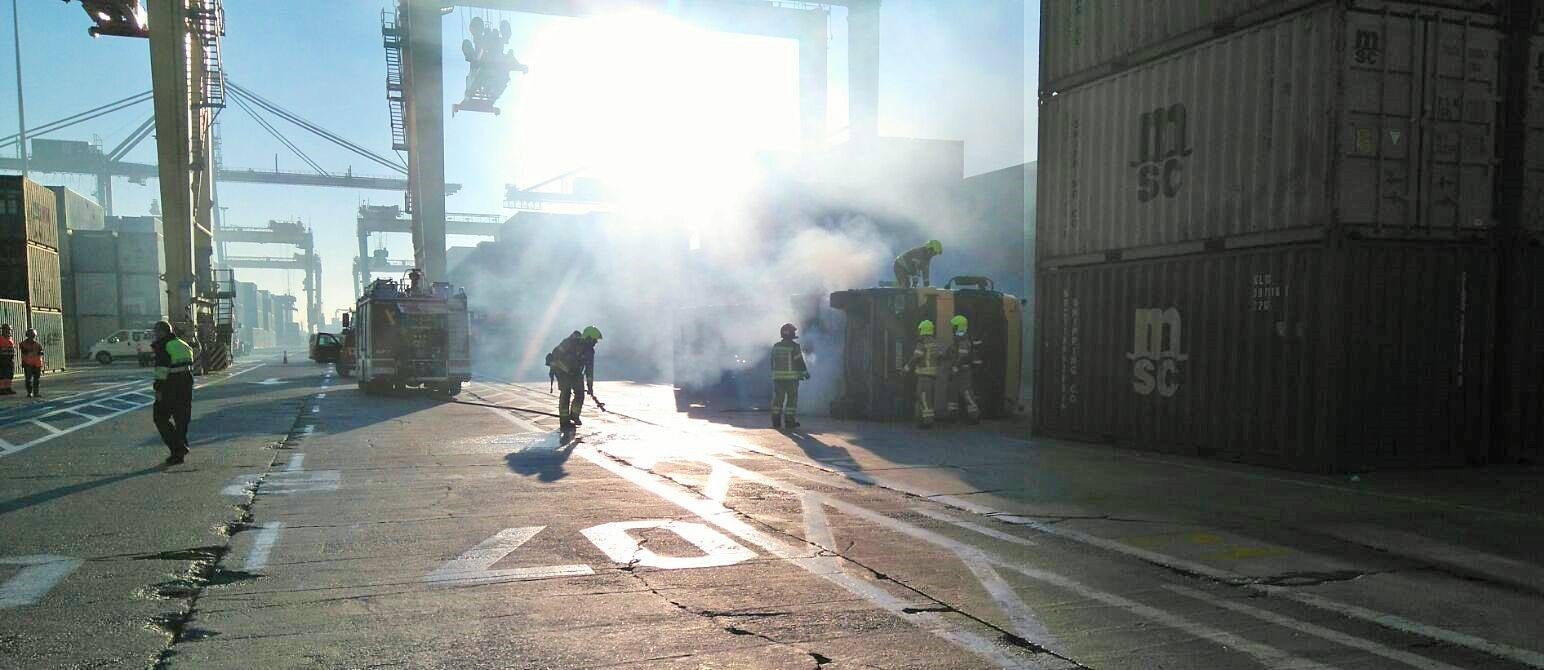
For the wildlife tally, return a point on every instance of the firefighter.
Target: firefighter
(7, 360)
(573, 362)
(788, 370)
(173, 408)
(32, 363)
(916, 265)
(966, 356)
(926, 358)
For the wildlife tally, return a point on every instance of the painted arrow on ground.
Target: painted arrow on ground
(272, 381)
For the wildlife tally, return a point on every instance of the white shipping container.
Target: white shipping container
(142, 294)
(96, 294)
(1332, 116)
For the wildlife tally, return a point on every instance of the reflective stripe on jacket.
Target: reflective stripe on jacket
(172, 356)
(925, 357)
(31, 353)
(788, 362)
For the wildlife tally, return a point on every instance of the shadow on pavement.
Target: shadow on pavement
(544, 458)
(18, 504)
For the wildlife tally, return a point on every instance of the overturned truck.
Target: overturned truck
(882, 332)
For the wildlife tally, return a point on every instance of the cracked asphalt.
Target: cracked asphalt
(318, 527)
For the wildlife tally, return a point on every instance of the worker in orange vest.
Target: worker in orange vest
(7, 359)
(32, 363)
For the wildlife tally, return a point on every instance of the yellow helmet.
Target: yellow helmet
(936, 246)
(925, 328)
(591, 333)
(959, 323)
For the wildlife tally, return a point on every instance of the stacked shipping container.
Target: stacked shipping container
(75, 213)
(29, 261)
(1270, 241)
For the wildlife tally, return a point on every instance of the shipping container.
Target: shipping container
(1300, 357)
(73, 211)
(1520, 435)
(135, 224)
(96, 294)
(142, 295)
(881, 332)
(27, 212)
(51, 333)
(1082, 40)
(93, 251)
(30, 273)
(88, 330)
(265, 311)
(14, 312)
(141, 253)
(1533, 189)
(247, 305)
(1379, 121)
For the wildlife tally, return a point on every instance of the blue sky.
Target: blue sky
(958, 69)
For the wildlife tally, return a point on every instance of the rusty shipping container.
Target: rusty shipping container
(51, 333)
(30, 273)
(1298, 356)
(27, 213)
(1382, 121)
(1083, 40)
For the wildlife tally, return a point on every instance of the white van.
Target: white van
(124, 344)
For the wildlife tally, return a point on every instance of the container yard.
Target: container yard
(770, 335)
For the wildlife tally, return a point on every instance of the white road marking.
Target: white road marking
(1401, 543)
(301, 481)
(718, 484)
(817, 529)
(971, 525)
(295, 462)
(1527, 657)
(46, 427)
(1335, 636)
(715, 513)
(262, 546)
(241, 485)
(624, 549)
(39, 574)
(472, 567)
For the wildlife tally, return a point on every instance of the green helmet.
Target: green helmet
(591, 333)
(960, 323)
(936, 246)
(925, 328)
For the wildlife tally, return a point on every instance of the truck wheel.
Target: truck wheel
(455, 390)
(104, 358)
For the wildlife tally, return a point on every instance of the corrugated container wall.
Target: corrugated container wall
(1299, 357)
(93, 251)
(1082, 40)
(74, 212)
(91, 329)
(51, 333)
(1533, 189)
(1522, 421)
(1332, 116)
(247, 304)
(27, 212)
(142, 295)
(14, 312)
(43, 284)
(141, 252)
(135, 224)
(96, 294)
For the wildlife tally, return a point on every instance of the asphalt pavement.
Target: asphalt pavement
(315, 526)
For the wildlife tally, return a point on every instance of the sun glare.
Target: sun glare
(664, 112)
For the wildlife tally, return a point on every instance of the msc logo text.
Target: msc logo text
(1163, 144)
(1156, 352)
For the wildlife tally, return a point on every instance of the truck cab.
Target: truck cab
(124, 344)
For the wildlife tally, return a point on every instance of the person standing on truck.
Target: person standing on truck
(173, 390)
(7, 360)
(573, 363)
(913, 269)
(788, 369)
(925, 361)
(966, 357)
(32, 363)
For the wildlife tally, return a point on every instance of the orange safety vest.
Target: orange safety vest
(31, 353)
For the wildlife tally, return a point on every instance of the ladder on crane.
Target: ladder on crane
(208, 24)
(396, 101)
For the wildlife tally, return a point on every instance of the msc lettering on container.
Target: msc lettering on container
(1155, 352)
(1164, 143)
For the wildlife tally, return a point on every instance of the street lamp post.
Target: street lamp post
(21, 108)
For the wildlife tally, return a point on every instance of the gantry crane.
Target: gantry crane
(415, 79)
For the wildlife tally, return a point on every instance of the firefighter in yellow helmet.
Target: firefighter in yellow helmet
(573, 363)
(914, 268)
(926, 358)
(173, 390)
(788, 369)
(965, 354)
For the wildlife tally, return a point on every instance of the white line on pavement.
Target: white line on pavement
(1335, 636)
(1401, 543)
(262, 546)
(295, 462)
(38, 575)
(472, 566)
(971, 525)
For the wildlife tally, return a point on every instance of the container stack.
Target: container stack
(29, 263)
(74, 212)
(1266, 231)
(141, 268)
(95, 312)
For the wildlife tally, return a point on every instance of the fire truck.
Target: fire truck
(410, 335)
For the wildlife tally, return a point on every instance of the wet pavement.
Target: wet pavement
(318, 527)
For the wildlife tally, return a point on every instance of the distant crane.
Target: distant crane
(292, 233)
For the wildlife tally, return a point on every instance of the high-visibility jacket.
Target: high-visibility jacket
(788, 362)
(172, 357)
(926, 357)
(967, 353)
(31, 353)
(7, 350)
